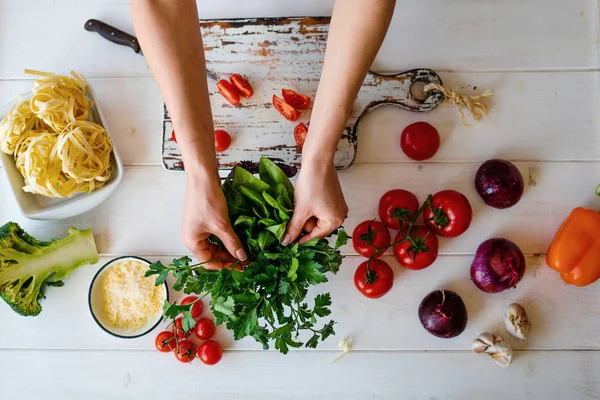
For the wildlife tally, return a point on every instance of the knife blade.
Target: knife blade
(119, 37)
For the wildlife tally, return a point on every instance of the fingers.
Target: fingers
(231, 241)
(294, 227)
(319, 231)
(310, 225)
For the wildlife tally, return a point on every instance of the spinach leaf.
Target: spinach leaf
(273, 175)
(245, 178)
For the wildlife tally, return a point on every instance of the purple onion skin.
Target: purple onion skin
(499, 264)
(499, 183)
(443, 314)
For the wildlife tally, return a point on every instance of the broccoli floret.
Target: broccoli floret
(28, 266)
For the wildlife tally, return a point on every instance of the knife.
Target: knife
(119, 37)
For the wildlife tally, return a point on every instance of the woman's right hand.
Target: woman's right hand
(205, 213)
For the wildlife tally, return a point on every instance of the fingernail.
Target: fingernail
(286, 240)
(241, 254)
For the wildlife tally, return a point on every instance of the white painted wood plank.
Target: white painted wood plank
(388, 323)
(457, 35)
(461, 376)
(144, 214)
(532, 116)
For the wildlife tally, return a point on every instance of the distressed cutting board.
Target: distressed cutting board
(277, 53)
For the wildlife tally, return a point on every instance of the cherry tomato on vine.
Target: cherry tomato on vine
(204, 329)
(376, 282)
(368, 235)
(185, 351)
(300, 132)
(419, 252)
(242, 85)
(420, 141)
(451, 214)
(197, 308)
(165, 342)
(395, 204)
(222, 140)
(210, 352)
(295, 99)
(229, 91)
(177, 328)
(289, 112)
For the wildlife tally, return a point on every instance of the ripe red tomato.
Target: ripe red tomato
(242, 85)
(375, 283)
(229, 91)
(289, 112)
(300, 132)
(165, 342)
(421, 252)
(173, 136)
(295, 99)
(370, 234)
(420, 141)
(204, 329)
(177, 329)
(222, 140)
(210, 352)
(185, 351)
(451, 214)
(395, 204)
(197, 308)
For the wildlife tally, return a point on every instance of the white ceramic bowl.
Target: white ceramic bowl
(34, 206)
(95, 304)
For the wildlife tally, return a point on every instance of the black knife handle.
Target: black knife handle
(112, 34)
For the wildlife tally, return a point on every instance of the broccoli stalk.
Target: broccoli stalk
(28, 266)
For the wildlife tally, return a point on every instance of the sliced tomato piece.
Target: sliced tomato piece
(289, 112)
(300, 132)
(173, 136)
(229, 91)
(242, 85)
(295, 99)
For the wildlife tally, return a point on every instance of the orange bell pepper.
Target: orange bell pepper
(575, 250)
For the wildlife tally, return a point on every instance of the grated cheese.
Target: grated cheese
(130, 300)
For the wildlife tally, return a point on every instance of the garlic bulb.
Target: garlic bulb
(495, 347)
(516, 321)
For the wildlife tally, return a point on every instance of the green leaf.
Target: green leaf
(311, 243)
(322, 302)
(267, 222)
(273, 176)
(293, 268)
(278, 230)
(283, 213)
(313, 341)
(245, 221)
(342, 238)
(187, 322)
(245, 325)
(265, 239)
(223, 305)
(243, 178)
(283, 197)
(327, 330)
(310, 272)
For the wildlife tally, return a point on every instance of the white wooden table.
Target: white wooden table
(541, 59)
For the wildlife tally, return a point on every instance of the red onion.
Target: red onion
(499, 183)
(498, 265)
(443, 314)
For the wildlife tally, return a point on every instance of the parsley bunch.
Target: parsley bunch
(265, 300)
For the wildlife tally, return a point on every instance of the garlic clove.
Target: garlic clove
(494, 347)
(516, 321)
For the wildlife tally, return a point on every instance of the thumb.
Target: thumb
(294, 227)
(232, 242)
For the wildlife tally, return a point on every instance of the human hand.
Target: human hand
(320, 206)
(205, 213)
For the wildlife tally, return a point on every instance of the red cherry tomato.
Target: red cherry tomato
(451, 214)
(229, 91)
(222, 140)
(204, 329)
(210, 352)
(376, 282)
(185, 351)
(242, 85)
(295, 99)
(177, 329)
(419, 253)
(289, 112)
(173, 136)
(370, 234)
(197, 308)
(165, 342)
(395, 204)
(300, 132)
(420, 141)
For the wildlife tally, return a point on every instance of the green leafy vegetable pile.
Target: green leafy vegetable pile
(265, 300)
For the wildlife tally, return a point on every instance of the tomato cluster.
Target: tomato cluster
(178, 341)
(447, 213)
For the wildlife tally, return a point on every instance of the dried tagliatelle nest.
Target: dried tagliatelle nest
(56, 148)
